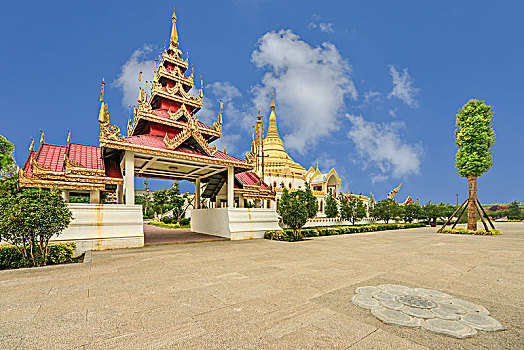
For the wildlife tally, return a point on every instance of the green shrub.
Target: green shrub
(167, 219)
(12, 258)
(470, 232)
(287, 235)
(185, 221)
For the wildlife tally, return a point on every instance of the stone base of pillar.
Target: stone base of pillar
(234, 223)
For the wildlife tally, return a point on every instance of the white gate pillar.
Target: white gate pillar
(230, 187)
(197, 194)
(129, 164)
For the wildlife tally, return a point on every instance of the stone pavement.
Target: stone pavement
(263, 294)
(159, 235)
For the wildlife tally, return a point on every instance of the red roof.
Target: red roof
(86, 155)
(250, 178)
(53, 157)
(162, 113)
(158, 142)
(27, 165)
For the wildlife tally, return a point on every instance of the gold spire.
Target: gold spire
(221, 105)
(42, 138)
(68, 137)
(102, 90)
(272, 127)
(201, 92)
(140, 76)
(32, 146)
(317, 165)
(173, 43)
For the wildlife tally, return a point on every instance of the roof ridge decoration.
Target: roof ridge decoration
(107, 131)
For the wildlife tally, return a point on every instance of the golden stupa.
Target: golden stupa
(276, 159)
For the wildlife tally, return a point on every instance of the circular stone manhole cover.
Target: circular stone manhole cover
(414, 301)
(430, 309)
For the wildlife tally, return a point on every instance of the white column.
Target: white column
(230, 187)
(197, 194)
(129, 163)
(241, 201)
(94, 197)
(65, 195)
(119, 194)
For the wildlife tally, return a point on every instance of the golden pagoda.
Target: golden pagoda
(276, 159)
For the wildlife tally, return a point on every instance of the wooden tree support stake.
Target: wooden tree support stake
(452, 215)
(464, 206)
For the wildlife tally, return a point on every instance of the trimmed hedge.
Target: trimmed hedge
(470, 232)
(287, 235)
(11, 258)
(185, 222)
(167, 220)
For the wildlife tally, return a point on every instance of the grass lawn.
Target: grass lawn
(163, 225)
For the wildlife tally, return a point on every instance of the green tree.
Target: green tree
(176, 200)
(474, 138)
(387, 209)
(412, 212)
(514, 211)
(331, 205)
(8, 169)
(345, 209)
(293, 211)
(6, 153)
(310, 199)
(29, 218)
(159, 199)
(371, 205)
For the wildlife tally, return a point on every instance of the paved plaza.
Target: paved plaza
(263, 294)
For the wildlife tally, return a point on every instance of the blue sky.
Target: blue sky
(369, 87)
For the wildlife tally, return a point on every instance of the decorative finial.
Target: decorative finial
(32, 146)
(225, 151)
(173, 43)
(68, 137)
(165, 42)
(272, 102)
(317, 165)
(42, 138)
(102, 90)
(221, 105)
(140, 76)
(102, 114)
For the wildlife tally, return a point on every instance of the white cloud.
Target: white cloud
(403, 88)
(128, 82)
(232, 116)
(325, 162)
(310, 83)
(393, 112)
(380, 145)
(323, 26)
(370, 95)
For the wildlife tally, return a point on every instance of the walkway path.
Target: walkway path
(159, 235)
(262, 294)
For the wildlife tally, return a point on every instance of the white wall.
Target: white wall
(234, 223)
(103, 226)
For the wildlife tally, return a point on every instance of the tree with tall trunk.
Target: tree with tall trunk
(474, 138)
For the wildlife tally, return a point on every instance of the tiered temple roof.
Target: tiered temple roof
(165, 122)
(72, 167)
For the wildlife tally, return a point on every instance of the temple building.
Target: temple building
(277, 168)
(165, 140)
